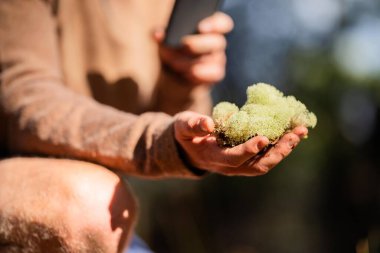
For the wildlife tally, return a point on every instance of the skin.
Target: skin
(48, 204)
(110, 209)
(193, 132)
(201, 60)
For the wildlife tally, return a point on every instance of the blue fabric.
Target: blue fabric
(138, 246)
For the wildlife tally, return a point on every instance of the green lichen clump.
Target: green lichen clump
(267, 112)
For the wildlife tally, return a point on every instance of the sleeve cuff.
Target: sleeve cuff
(196, 171)
(172, 158)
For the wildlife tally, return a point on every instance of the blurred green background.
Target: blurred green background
(325, 197)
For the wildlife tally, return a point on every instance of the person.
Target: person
(89, 93)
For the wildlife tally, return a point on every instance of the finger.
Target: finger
(204, 43)
(207, 124)
(189, 125)
(183, 57)
(217, 23)
(301, 131)
(207, 72)
(176, 59)
(276, 154)
(207, 69)
(236, 156)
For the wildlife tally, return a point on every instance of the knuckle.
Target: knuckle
(283, 151)
(251, 149)
(192, 123)
(217, 42)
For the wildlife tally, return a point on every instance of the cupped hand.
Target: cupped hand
(193, 132)
(201, 58)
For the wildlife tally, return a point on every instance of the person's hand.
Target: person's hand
(193, 133)
(201, 59)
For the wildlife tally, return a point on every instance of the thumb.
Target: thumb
(190, 124)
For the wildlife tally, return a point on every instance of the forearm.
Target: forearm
(45, 118)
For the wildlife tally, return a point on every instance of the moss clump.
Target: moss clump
(267, 112)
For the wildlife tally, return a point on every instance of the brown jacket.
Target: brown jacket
(82, 79)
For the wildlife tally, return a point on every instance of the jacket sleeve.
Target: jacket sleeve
(44, 117)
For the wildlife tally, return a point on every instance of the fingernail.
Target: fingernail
(262, 144)
(292, 143)
(302, 132)
(204, 129)
(204, 126)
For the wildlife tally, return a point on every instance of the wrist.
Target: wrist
(186, 161)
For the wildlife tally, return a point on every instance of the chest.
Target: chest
(107, 49)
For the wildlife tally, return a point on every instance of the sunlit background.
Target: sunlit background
(325, 197)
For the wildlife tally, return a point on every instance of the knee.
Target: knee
(104, 209)
(86, 205)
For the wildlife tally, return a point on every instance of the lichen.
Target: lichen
(267, 112)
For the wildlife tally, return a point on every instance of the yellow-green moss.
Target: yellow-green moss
(267, 112)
